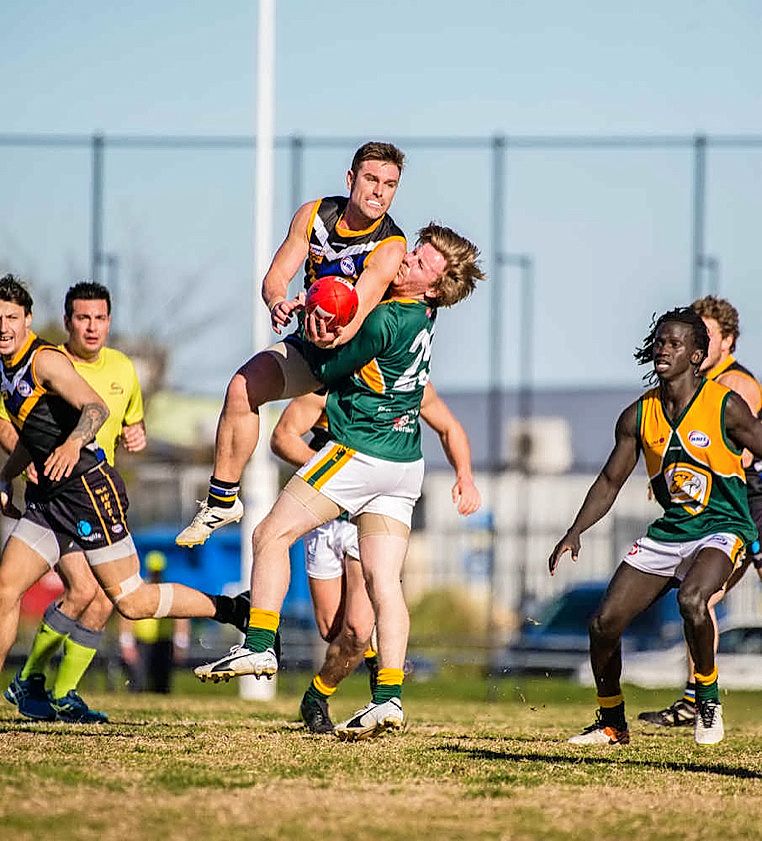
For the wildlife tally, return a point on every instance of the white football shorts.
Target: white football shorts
(362, 484)
(674, 559)
(326, 546)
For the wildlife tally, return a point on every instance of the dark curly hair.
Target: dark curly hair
(644, 355)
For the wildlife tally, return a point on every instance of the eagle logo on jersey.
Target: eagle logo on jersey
(689, 486)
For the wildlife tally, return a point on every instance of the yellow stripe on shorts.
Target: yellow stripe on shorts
(332, 453)
(341, 461)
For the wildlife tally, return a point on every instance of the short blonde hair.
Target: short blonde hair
(723, 312)
(462, 271)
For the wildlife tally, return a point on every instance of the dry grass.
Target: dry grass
(209, 766)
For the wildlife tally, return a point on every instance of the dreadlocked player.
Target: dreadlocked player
(692, 432)
(722, 325)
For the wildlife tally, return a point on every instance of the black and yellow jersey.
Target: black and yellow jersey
(695, 471)
(113, 378)
(335, 249)
(731, 365)
(42, 419)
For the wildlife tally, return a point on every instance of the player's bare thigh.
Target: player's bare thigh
(277, 373)
(20, 567)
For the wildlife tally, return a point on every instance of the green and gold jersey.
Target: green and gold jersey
(113, 378)
(695, 470)
(376, 381)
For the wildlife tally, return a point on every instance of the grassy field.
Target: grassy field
(478, 761)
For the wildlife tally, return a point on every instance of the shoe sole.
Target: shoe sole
(318, 731)
(227, 674)
(202, 541)
(710, 743)
(387, 725)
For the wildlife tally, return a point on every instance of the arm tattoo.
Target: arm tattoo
(91, 420)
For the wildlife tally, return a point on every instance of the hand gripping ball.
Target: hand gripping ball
(333, 299)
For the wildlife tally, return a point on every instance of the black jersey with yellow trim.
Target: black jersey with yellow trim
(43, 420)
(335, 249)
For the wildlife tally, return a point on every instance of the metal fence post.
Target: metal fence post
(96, 207)
(699, 212)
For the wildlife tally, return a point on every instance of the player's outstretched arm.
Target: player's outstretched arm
(285, 264)
(297, 419)
(620, 463)
(743, 428)
(371, 286)
(55, 371)
(436, 413)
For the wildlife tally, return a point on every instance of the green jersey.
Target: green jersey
(376, 381)
(696, 472)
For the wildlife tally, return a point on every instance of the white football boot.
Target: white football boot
(709, 729)
(239, 661)
(208, 518)
(599, 733)
(372, 720)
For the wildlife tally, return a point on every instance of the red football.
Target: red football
(333, 299)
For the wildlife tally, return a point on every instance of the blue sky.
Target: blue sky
(609, 231)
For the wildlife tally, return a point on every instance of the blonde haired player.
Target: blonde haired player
(342, 606)
(372, 468)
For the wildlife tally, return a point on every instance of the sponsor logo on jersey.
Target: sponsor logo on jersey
(116, 388)
(117, 528)
(24, 389)
(718, 538)
(347, 265)
(316, 253)
(634, 549)
(404, 423)
(699, 439)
